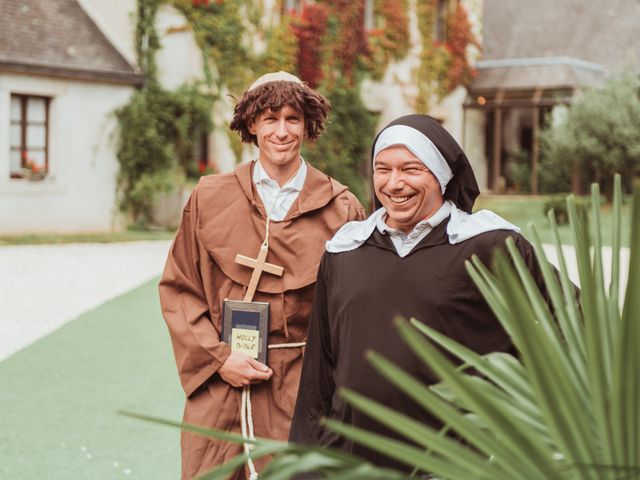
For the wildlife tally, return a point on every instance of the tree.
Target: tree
(599, 136)
(343, 151)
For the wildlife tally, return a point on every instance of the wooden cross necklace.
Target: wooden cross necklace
(259, 265)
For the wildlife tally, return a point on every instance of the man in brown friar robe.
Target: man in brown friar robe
(227, 215)
(406, 259)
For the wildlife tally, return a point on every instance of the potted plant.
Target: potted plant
(566, 408)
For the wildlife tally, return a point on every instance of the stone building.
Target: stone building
(537, 56)
(60, 81)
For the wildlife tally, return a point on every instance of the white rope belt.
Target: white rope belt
(246, 414)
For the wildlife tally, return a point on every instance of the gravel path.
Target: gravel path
(44, 286)
(568, 253)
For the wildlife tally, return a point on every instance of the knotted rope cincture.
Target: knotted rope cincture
(246, 423)
(246, 414)
(266, 233)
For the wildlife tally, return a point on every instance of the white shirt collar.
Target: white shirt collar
(404, 243)
(278, 201)
(432, 222)
(260, 176)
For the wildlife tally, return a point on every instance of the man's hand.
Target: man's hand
(240, 369)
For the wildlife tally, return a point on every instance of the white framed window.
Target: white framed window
(29, 137)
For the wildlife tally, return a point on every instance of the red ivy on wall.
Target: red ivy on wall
(310, 28)
(350, 40)
(459, 37)
(396, 27)
(331, 37)
(390, 40)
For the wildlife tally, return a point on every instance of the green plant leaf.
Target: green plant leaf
(206, 432)
(471, 430)
(493, 366)
(401, 451)
(574, 316)
(537, 457)
(614, 287)
(486, 283)
(555, 391)
(627, 384)
(416, 432)
(564, 308)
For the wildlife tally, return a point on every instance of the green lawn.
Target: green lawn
(105, 237)
(518, 209)
(59, 398)
(522, 210)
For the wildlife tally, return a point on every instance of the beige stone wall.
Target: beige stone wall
(474, 145)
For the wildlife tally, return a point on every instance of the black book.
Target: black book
(245, 328)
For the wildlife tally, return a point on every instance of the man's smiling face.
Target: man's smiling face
(279, 136)
(406, 188)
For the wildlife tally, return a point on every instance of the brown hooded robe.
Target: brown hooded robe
(225, 216)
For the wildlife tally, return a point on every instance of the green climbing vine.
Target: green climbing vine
(443, 63)
(220, 31)
(389, 39)
(158, 129)
(282, 48)
(325, 43)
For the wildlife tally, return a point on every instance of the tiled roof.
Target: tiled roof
(57, 37)
(523, 76)
(601, 32)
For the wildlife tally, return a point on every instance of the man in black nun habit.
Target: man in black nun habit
(406, 259)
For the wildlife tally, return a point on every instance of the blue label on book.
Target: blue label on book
(245, 320)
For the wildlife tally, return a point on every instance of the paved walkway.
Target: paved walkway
(44, 286)
(568, 253)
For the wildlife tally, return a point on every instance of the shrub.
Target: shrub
(344, 149)
(558, 204)
(599, 137)
(156, 145)
(519, 170)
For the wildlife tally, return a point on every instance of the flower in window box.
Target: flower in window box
(30, 169)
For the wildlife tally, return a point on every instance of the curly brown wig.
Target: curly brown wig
(275, 95)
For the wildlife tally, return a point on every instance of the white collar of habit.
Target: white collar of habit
(432, 222)
(462, 226)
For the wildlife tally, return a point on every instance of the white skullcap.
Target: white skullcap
(274, 77)
(418, 144)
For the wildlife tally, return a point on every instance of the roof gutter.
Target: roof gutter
(125, 78)
(539, 61)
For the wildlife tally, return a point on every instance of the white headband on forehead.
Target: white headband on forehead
(418, 144)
